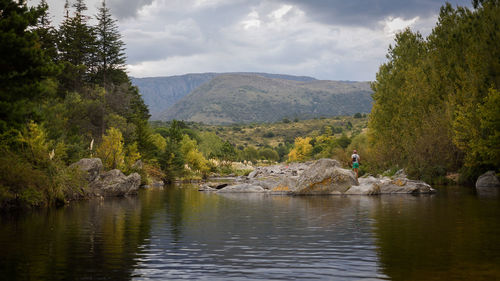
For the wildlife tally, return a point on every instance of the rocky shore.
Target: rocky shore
(105, 184)
(320, 177)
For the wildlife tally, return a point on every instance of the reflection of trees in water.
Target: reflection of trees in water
(438, 237)
(96, 239)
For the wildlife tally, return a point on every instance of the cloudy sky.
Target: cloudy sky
(325, 39)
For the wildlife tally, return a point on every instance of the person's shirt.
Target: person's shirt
(355, 158)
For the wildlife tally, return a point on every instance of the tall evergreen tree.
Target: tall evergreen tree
(46, 32)
(76, 47)
(22, 63)
(110, 56)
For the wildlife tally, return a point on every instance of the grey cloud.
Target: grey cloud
(126, 8)
(368, 13)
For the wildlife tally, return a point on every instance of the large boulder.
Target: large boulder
(404, 185)
(92, 167)
(325, 176)
(488, 179)
(115, 183)
(488, 185)
(367, 186)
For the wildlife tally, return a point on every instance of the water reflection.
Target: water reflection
(94, 240)
(256, 236)
(180, 233)
(453, 236)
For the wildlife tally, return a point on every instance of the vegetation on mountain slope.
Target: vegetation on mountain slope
(243, 98)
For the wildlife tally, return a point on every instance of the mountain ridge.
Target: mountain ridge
(245, 98)
(160, 93)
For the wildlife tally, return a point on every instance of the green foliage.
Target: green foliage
(268, 134)
(269, 154)
(210, 145)
(76, 48)
(23, 63)
(238, 98)
(429, 113)
(33, 172)
(250, 153)
(159, 142)
(50, 75)
(227, 152)
(110, 47)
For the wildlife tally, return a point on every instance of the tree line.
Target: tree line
(436, 100)
(65, 95)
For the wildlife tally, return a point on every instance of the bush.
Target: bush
(268, 134)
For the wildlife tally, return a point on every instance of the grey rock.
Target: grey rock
(253, 174)
(367, 186)
(400, 174)
(488, 179)
(242, 188)
(138, 165)
(217, 185)
(403, 185)
(91, 166)
(155, 184)
(115, 183)
(206, 187)
(325, 176)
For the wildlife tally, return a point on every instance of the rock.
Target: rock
(217, 185)
(253, 174)
(206, 187)
(155, 184)
(488, 179)
(367, 186)
(138, 165)
(115, 183)
(400, 174)
(403, 185)
(92, 166)
(325, 176)
(242, 188)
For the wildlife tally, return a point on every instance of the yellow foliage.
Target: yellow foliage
(132, 155)
(194, 158)
(196, 161)
(111, 149)
(302, 150)
(159, 142)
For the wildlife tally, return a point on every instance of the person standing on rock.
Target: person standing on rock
(355, 162)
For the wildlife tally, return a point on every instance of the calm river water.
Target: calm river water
(180, 233)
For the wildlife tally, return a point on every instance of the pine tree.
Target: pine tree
(110, 56)
(47, 34)
(76, 47)
(22, 63)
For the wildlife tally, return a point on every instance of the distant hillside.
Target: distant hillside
(244, 98)
(160, 93)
